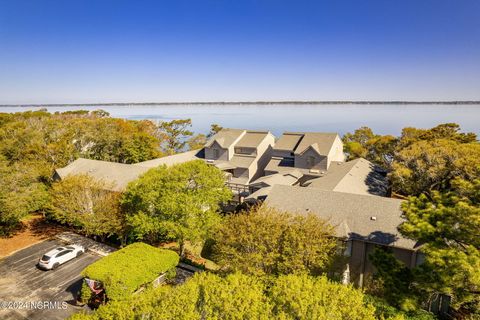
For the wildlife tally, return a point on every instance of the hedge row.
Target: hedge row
(125, 270)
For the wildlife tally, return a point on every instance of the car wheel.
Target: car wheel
(55, 265)
(79, 253)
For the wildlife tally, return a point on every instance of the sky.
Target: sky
(92, 51)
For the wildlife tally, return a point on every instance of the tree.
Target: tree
(396, 280)
(448, 224)
(179, 202)
(446, 131)
(425, 166)
(363, 143)
(89, 205)
(21, 193)
(34, 143)
(238, 296)
(267, 241)
(307, 297)
(214, 129)
(174, 134)
(197, 142)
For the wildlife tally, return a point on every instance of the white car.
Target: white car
(53, 258)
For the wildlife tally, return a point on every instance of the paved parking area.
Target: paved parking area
(22, 282)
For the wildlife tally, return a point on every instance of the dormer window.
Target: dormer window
(240, 150)
(216, 153)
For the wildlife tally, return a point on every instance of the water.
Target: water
(383, 119)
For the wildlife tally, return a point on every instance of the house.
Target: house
(242, 154)
(310, 152)
(358, 176)
(363, 222)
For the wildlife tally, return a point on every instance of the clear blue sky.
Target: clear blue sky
(125, 51)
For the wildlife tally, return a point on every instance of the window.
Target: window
(348, 249)
(243, 150)
(216, 153)
(310, 161)
(63, 253)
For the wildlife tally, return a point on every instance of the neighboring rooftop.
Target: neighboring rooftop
(322, 142)
(120, 174)
(285, 178)
(225, 137)
(173, 159)
(358, 176)
(242, 161)
(288, 141)
(117, 174)
(251, 139)
(369, 218)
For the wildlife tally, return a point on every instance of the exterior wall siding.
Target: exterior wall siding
(210, 153)
(336, 152)
(320, 163)
(264, 151)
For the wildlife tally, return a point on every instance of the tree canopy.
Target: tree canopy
(88, 205)
(34, 143)
(448, 224)
(420, 160)
(174, 134)
(21, 192)
(178, 202)
(267, 241)
(238, 296)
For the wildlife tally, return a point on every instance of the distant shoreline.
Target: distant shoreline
(243, 103)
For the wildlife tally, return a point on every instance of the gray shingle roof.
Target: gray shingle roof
(321, 142)
(288, 141)
(285, 178)
(225, 137)
(251, 139)
(358, 176)
(299, 142)
(370, 218)
(242, 161)
(117, 174)
(171, 160)
(120, 174)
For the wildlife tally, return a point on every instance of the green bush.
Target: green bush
(85, 293)
(125, 270)
(383, 310)
(238, 296)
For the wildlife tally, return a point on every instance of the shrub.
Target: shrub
(125, 270)
(239, 296)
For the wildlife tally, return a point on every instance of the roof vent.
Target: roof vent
(373, 218)
(210, 161)
(314, 171)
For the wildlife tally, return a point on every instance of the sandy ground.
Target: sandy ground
(34, 230)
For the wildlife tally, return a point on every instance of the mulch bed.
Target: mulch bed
(33, 230)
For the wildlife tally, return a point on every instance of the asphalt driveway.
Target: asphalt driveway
(32, 293)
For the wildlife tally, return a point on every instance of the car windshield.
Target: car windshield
(45, 258)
